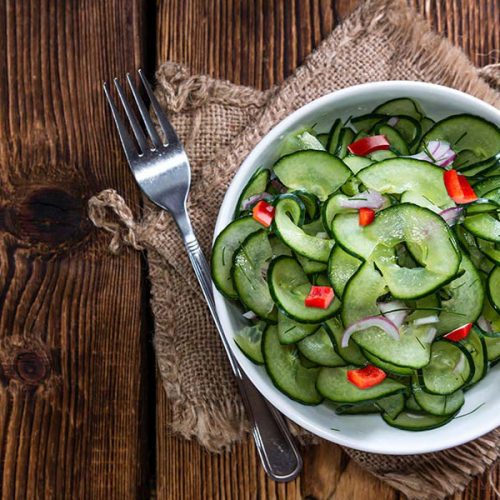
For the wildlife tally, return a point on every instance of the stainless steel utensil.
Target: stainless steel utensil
(163, 173)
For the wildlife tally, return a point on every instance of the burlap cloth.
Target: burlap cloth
(219, 124)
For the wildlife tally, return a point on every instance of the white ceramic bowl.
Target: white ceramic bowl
(362, 432)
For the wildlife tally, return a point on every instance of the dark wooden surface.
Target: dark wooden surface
(81, 414)
(72, 357)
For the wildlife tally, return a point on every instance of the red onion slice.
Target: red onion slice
(484, 324)
(379, 321)
(394, 311)
(437, 152)
(278, 185)
(367, 199)
(427, 320)
(249, 315)
(452, 215)
(246, 204)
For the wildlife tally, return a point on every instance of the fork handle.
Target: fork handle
(276, 447)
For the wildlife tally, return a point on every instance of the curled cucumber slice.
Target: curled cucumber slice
(289, 287)
(225, 246)
(312, 247)
(286, 370)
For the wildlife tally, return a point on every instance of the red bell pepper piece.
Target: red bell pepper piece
(263, 213)
(367, 145)
(366, 377)
(458, 187)
(366, 216)
(320, 297)
(459, 333)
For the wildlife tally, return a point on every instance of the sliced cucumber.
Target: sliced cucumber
(311, 266)
(421, 201)
(486, 185)
(436, 404)
(311, 203)
(360, 297)
(400, 106)
(330, 208)
(409, 129)
(316, 172)
(323, 139)
(490, 250)
(346, 137)
(463, 299)
(226, 244)
(357, 163)
(365, 123)
(484, 226)
(279, 248)
(488, 167)
(333, 384)
(410, 421)
(465, 159)
(290, 331)
(289, 287)
(249, 340)
(341, 267)
(426, 124)
(450, 368)
(302, 139)
(256, 185)
(249, 269)
(493, 195)
(318, 348)
(492, 316)
(392, 405)
(466, 132)
(397, 175)
(296, 238)
(352, 353)
(383, 154)
(426, 235)
(397, 142)
(412, 405)
(286, 371)
(493, 288)
(333, 136)
(492, 348)
(386, 366)
(474, 343)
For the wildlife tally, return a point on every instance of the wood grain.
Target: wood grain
(260, 43)
(71, 353)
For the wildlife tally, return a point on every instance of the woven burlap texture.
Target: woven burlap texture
(220, 123)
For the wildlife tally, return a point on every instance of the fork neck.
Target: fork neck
(185, 227)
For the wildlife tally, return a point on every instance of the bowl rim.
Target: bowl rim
(268, 390)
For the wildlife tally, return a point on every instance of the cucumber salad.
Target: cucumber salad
(367, 264)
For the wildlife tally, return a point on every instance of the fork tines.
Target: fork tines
(131, 150)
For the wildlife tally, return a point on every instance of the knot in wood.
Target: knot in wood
(48, 215)
(30, 368)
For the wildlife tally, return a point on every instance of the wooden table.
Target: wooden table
(82, 412)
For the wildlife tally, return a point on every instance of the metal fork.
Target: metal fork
(163, 173)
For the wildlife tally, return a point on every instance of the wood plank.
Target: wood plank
(260, 43)
(71, 351)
